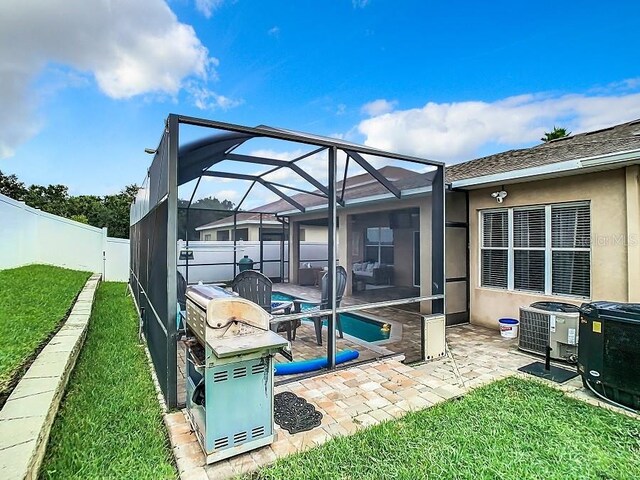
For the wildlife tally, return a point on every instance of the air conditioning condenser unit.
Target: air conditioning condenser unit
(550, 323)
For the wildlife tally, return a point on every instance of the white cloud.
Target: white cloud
(129, 47)
(232, 195)
(458, 131)
(207, 7)
(206, 99)
(378, 107)
(274, 31)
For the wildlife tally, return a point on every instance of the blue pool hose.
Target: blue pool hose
(304, 366)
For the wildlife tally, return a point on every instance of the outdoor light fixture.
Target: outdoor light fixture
(150, 151)
(499, 196)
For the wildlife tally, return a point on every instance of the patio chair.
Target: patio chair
(181, 293)
(256, 287)
(325, 302)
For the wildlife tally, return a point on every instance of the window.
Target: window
(495, 246)
(222, 235)
(529, 249)
(378, 245)
(242, 234)
(539, 249)
(570, 250)
(207, 237)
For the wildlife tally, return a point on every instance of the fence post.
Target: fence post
(104, 253)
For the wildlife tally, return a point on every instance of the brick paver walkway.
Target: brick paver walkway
(368, 394)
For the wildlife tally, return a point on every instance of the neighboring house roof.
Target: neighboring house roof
(618, 138)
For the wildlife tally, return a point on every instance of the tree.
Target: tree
(80, 218)
(557, 132)
(12, 187)
(201, 212)
(52, 199)
(212, 203)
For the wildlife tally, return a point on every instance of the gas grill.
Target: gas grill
(229, 369)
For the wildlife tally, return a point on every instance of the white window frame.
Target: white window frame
(508, 248)
(379, 245)
(548, 249)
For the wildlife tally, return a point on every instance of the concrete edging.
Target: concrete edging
(28, 414)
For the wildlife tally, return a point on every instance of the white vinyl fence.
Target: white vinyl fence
(213, 260)
(28, 236)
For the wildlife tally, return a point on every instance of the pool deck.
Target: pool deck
(363, 395)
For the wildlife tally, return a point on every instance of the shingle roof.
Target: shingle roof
(618, 138)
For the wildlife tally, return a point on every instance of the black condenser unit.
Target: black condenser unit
(609, 351)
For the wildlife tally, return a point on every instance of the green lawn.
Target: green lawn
(511, 429)
(33, 301)
(110, 424)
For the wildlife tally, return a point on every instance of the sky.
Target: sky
(86, 85)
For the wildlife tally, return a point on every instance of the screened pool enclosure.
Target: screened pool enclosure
(304, 208)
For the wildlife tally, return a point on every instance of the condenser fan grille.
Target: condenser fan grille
(534, 331)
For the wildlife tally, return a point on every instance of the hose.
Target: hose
(603, 397)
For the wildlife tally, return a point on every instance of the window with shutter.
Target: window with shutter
(570, 247)
(529, 249)
(495, 249)
(545, 249)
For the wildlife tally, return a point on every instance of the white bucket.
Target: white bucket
(508, 327)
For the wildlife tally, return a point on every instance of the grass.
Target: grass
(110, 424)
(33, 301)
(511, 429)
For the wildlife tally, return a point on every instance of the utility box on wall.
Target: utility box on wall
(433, 336)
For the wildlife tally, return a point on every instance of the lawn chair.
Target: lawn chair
(256, 287)
(325, 302)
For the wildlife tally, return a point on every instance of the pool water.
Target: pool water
(353, 324)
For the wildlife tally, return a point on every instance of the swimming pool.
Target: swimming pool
(358, 326)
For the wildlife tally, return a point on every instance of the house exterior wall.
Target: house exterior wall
(314, 233)
(253, 232)
(610, 225)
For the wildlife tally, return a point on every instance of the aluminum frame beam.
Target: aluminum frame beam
(251, 178)
(302, 138)
(359, 159)
(277, 163)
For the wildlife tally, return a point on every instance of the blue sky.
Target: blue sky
(86, 86)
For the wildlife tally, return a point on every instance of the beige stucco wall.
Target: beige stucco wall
(609, 262)
(314, 233)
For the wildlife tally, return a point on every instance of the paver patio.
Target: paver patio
(364, 395)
